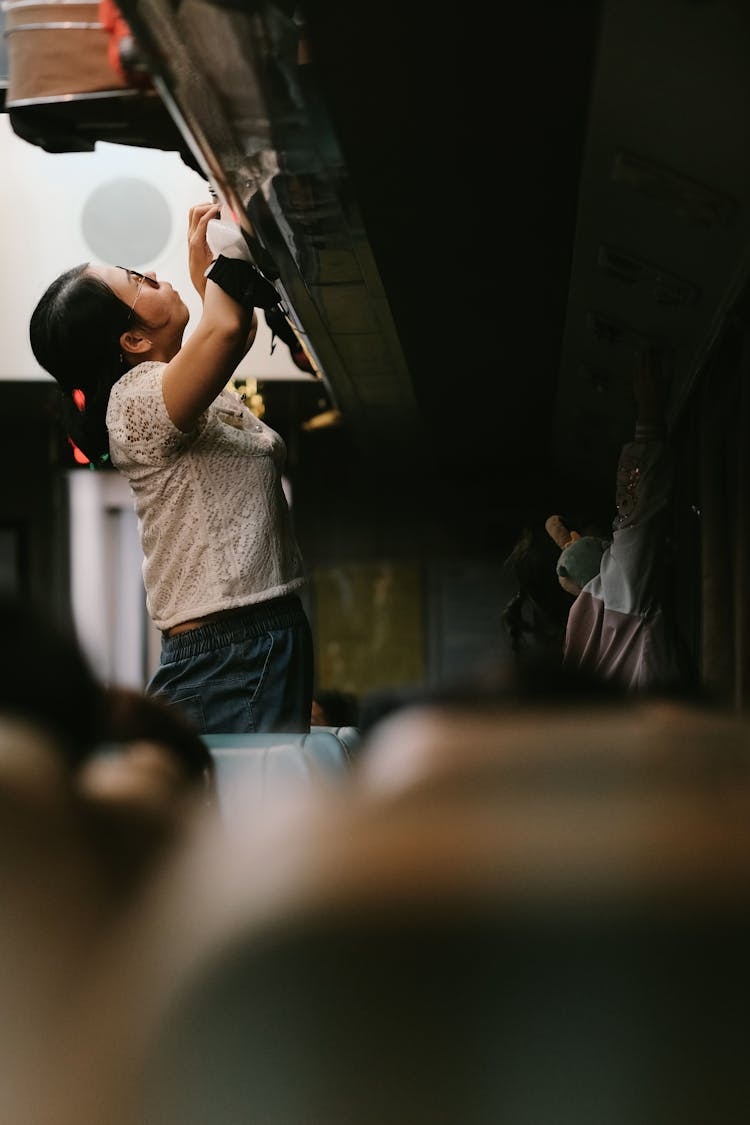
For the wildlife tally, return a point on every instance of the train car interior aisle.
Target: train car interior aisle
(501, 875)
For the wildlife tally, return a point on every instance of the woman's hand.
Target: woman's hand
(200, 256)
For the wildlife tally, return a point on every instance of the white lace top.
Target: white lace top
(213, 519)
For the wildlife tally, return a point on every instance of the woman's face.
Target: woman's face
(157, 304)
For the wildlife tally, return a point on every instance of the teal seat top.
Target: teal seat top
(250, 768)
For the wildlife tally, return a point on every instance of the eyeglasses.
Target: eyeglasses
(141, 278)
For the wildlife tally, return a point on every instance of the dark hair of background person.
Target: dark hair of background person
(74, 334)
(134, 716)
(536, 616)
(133, 816)
(335, 708)
(46, 679)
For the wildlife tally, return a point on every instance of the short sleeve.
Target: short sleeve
(139, 426)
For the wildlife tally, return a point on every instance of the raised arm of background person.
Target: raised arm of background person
(645, 470)
(632, 567)
(650, 388)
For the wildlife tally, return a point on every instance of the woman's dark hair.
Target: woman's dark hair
(75, 334)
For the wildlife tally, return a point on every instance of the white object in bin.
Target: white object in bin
(227, 239)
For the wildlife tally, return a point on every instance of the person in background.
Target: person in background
(536, 616)
(222, 568)
(149, 754)
(619, 627)
(331, 708)
(145, 790)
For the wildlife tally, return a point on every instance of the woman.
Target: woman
(221, 566)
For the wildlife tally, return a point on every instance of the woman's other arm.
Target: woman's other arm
(201, 256)
(204, 364)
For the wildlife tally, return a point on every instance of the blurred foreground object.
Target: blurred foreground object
(553, 929)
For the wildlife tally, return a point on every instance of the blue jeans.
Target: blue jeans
(251, 671)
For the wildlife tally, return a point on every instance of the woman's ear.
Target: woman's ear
(134, 342)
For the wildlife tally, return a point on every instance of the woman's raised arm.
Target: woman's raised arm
(204, 364)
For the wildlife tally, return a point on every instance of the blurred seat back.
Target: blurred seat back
(494, 955)
(529, 940)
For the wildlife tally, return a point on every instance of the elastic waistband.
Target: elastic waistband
(247, 622)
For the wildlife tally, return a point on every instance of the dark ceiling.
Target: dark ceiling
(463, 138)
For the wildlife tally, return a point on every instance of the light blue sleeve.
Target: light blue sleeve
(140, 429)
